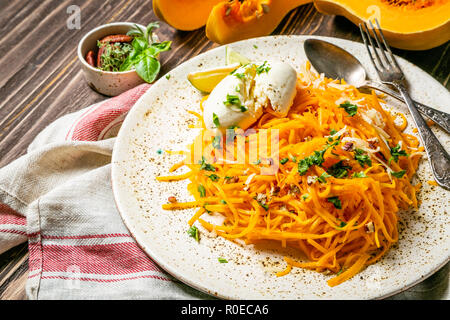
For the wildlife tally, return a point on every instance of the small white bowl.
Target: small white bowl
(107, 82)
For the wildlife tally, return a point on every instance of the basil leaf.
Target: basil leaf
(161, 47)
(148, 68)
(139, 45)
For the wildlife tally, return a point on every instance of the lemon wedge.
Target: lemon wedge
(233, 57)
(206, 80)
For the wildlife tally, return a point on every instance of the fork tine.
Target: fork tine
(366, 42)
(387, 46)
(374, 30)
(374, 48)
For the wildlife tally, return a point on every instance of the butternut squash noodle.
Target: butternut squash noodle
(345, 171)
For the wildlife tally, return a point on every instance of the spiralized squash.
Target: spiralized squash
(343, 175)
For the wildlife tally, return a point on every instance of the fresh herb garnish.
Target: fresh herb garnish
(239, 75)
(265, 206)
(359, 175)
(193, 232)
(284, 160)
(233, 100)
(362, 157)
(335, 201)
(341, 224)
(223, 201)
(222, 260)
(305, 196)
(314, 159)
(351, 109)
(216, 120)
(262, 68)
(396, 152)
(114, 54)
(201, 189)
(206, 166)
(214, 177)
(168, 76)
(323, 177)
(339, 170)
(144, 54)
(399, 174)
(333, 132)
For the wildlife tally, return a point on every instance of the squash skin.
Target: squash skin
(186, 15)
(403, 29)
(222, 28)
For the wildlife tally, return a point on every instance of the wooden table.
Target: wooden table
(41, 79)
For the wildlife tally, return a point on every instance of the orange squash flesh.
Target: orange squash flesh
(184, 15)
(407, 24)
(235, 20)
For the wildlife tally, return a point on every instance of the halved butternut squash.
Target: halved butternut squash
(235, 20)
(407, 24)
(184, 15)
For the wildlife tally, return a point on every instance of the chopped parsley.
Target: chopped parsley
(396, 152)
(265, 206)
(335, 201)
(206, 166)
(232, 100)
(193, 232)
(159, 151)
(168, 76)
(239, 75)
(262, 68)
(351, 109)
(399, 174)
(284, 160)
(201, 189)
(341, 224)
(255, 46)
(223, 201)
(305, 196)
(333, 132)
(339, 170)
(359, 175)
(214, 177)
(222, 260)
(216, 120)
(314, 159)
(362, 157)
(323, 177)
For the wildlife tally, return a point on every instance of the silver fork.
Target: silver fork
(390, 73)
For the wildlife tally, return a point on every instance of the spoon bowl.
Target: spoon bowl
(335, 62)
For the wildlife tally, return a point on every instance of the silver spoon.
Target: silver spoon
(336, 63)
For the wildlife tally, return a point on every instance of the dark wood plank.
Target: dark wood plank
(41, 78)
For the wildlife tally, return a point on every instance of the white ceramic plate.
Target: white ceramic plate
(159, 121)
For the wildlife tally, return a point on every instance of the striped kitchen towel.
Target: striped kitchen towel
(58, 198)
